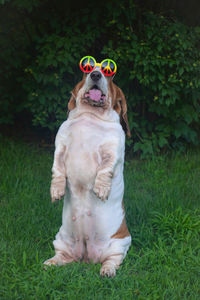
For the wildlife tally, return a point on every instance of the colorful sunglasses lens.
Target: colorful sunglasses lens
(108, 67)
(87, 64)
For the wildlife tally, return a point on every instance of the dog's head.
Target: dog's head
(98, 93)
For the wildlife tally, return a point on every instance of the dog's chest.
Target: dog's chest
(85, 135)
(83, 142)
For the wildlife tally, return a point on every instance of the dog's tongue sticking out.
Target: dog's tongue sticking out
(94, 94)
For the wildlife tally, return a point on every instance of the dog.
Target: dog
(88, 171)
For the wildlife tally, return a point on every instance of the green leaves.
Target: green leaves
(54, 74)
(163, 68)
(158, 66)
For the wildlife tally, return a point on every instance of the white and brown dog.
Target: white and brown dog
(88, 170)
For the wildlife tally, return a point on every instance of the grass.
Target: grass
(162, 204)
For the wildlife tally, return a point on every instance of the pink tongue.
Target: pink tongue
(94, 94)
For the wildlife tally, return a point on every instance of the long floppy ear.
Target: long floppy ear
(120, 106)
(72, 102)
(74, 92)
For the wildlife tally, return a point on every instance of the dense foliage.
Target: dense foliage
(158, 66)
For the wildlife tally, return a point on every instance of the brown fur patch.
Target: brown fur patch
(122, 232)
(119, 105)
(74, 92)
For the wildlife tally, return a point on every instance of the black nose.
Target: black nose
(96, 75)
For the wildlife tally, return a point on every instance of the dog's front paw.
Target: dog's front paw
(57, 190)
(102, 192)
(102, 188)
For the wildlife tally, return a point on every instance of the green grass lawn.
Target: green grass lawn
(162, 203)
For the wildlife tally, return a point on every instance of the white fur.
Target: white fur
(92, 210)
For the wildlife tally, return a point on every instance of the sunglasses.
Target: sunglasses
(88, 63)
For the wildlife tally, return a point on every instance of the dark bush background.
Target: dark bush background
(156, 45)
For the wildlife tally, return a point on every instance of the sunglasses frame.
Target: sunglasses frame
(99, 65)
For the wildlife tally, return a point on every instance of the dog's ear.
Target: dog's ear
(72, 102)
(120, 106)
(74, 92)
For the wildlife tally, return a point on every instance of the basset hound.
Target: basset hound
(88, 172)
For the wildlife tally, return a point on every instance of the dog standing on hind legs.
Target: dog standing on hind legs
(88, 172)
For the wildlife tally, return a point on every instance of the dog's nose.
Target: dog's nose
(96, 75)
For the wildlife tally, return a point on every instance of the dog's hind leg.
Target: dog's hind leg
(63, 250)
(113, 256)
(59, 259)
(110, 265)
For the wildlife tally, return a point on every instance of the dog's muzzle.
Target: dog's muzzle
(95, 96)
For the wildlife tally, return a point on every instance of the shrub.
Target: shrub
(159, 68)
(53, 74)
(51, 77)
